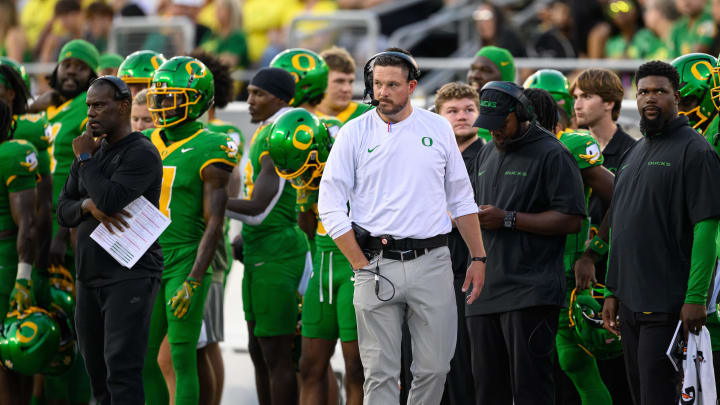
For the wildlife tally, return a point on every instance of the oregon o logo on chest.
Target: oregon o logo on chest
(426, 141)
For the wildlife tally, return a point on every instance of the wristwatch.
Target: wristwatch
(84, 157)
(510, 220)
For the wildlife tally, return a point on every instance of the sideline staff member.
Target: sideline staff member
(113, 167)
(401, 171)
(664, 220)
(528, 209)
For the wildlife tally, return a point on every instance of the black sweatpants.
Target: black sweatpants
(645, 339)
(113, 324)
(512, 356)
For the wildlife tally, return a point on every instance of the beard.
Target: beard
(392, 108)
(651, 127)
(70, 94)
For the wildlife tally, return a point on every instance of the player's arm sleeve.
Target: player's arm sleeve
(127, 183)
(702, 261)
(69, 211)
(337, 183)
(458, 190)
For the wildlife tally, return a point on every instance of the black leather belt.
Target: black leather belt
(388, 243)
(404, 255)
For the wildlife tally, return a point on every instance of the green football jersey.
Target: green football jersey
(711, 133)
(67, 122)
(35, 129)
(685, 37)
(353, 110)
(586, 152)
(643, 45)
(19, 171)
(230, 130)
(278, 236)
(181, 196)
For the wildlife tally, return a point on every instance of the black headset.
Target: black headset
(524, 109)
(121, 89)
(414, 71)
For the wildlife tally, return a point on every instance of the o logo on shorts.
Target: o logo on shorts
(695, 72)
(297, 143)
(427, 141)
(22, 338)
(295, 61)
(189, 68)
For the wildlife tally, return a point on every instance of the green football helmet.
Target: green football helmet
(139, 67)
(309, 70)
(554, 83)
(181, 89)
(62, 290)
(30, 341)
(67, 351)
(585, 312)
(4, 60)
(299, 145)
(696, 83)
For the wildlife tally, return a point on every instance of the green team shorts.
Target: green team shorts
(187, 328)
(328, 311)
(269, 293)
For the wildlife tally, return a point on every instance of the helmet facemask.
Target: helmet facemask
(170, 106)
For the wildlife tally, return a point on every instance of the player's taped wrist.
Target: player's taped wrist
(598, 246)
(24, 271)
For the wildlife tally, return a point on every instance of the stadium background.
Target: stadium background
(568, 35)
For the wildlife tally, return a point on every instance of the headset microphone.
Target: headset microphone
(413, 74)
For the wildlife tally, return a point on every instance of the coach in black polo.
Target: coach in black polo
(664, 220)
(531, 196)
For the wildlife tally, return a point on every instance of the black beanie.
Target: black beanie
(275, 81)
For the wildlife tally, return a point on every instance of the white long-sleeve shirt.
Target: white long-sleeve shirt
(400, 179)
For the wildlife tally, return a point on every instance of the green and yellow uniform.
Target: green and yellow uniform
(275, 254)
(353, 110)
(644, 45)
(576, 361)
(686, 36)
(234, 44)
(67, 122)
(35, 129)
(18, 172)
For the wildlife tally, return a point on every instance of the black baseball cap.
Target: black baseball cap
(495, 105)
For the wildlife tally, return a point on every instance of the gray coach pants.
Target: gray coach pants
(425, 284)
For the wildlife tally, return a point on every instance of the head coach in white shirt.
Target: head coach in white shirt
(403, 175)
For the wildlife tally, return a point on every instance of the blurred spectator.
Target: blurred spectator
(34, 18)
(12, 37)
(493, 29)
(99, 16)
(625, 17)
(313, 35)
(553, 39)
(109, 64)
(694, 31)
(261, 20)
(586, 14)
(228, 42)
(658, 17)
(359, 4)
(67, 24)
(715, 10)
(190, 9)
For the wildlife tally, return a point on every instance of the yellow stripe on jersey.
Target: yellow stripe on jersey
(344, 115)
(165, 150)
(211, 161)
(52, 111)
(10, 180)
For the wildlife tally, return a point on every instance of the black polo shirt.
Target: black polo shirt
(115, 176)
(536, 174)
(664, 186)
(620, 143)
(459, 252)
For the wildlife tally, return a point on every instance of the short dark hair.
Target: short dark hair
(7, 123)
(391, 60)
(64, 7)
(658, 68)
(603, 82)
(222, 80)
(544, 106)
(17, 84)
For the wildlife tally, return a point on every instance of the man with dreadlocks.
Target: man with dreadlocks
(18, 172)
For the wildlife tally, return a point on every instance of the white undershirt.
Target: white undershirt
(400, 179)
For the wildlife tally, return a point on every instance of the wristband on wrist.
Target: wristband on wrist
(24, 271)
(598, 246)
(479, 259)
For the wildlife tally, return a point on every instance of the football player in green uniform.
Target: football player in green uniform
(338, 96)
(557, 85)
(491, 63)
(575, 359)
(196, 169)
(328, 313)
(696, 102)
(18, 169)
(137, 69)
(67, 115)
(275, 249)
